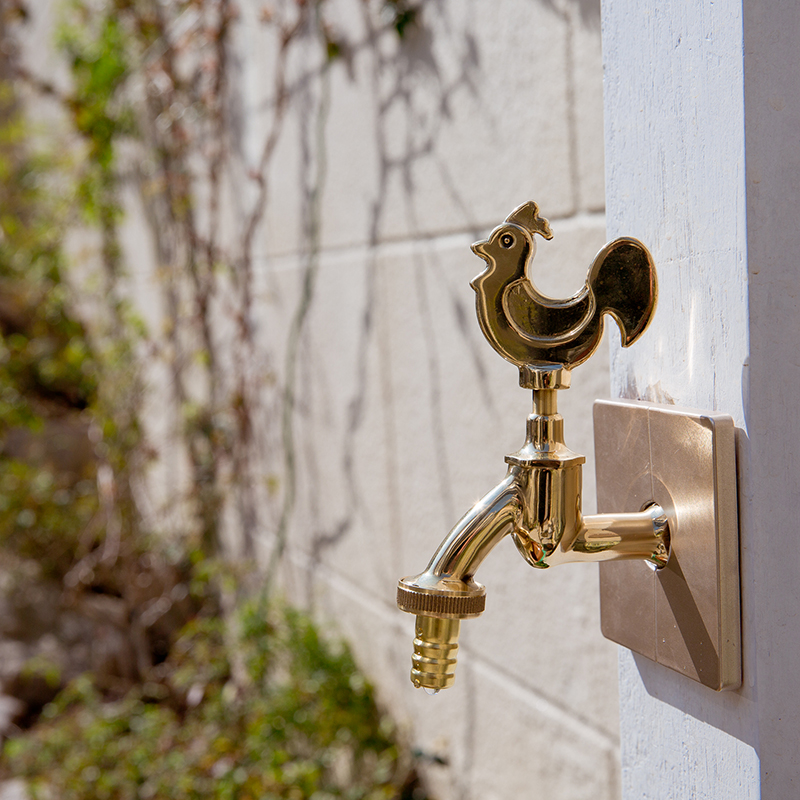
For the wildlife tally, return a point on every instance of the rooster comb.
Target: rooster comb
(527, 216)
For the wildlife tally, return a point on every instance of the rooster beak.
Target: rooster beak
(479, 248)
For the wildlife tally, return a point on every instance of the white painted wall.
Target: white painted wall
(702, 162)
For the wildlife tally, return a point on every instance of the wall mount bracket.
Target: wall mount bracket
(686, 615)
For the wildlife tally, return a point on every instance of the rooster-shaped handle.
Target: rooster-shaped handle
(531, 330)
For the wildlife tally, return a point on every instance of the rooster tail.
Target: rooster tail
(623, 279)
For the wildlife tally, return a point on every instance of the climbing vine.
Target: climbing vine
(149, 108)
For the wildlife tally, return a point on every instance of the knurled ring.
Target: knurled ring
(450, 605)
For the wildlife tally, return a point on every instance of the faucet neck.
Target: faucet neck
(545, 426)
(545, 402)
(544, 444)
(544, 376)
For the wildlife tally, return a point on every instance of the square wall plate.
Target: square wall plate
(685, 616)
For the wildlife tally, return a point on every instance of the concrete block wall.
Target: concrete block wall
(404, 413)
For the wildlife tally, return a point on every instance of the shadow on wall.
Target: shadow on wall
(405, 83)
(728, 712)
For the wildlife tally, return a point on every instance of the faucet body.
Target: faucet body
(539, 501)
(539, 504)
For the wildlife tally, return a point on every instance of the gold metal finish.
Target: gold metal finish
(527, 328)
(433, 664)
(685, 616)
(538, 503)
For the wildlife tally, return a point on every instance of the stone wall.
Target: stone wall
(392, 161)
(404, 413)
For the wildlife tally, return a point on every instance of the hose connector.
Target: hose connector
(439, 603)
(433, 665)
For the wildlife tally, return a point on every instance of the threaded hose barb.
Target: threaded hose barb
(433, 664)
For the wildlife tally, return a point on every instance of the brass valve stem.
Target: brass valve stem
(545, 402)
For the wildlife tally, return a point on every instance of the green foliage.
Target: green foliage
(256, 705)
(44, 355)
(97, 49)
(58, 383)
(44, 514)
(48, 373)
(305, 726)
(402, 15)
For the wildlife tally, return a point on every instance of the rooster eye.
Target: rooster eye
(506, 240)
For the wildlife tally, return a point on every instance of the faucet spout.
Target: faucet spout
(539, 504)
(479, 530)
(446, 592)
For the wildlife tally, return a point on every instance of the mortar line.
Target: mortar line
(404, 246)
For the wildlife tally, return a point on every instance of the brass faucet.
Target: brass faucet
(539, 500)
